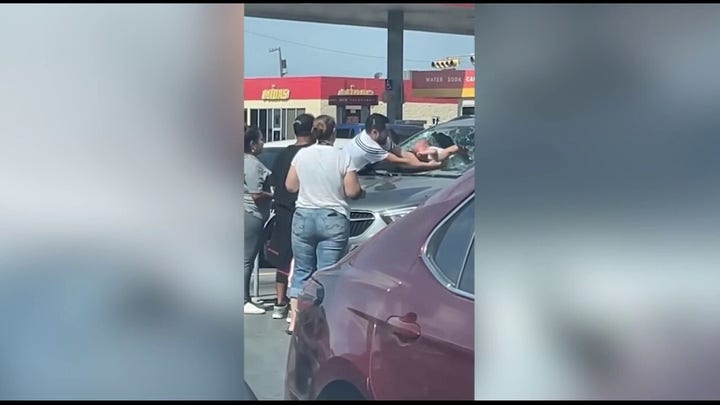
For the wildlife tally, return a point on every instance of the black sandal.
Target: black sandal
(288, 332)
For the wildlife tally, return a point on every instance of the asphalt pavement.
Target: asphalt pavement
(266, 345)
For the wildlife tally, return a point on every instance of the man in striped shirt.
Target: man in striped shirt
(375, 145)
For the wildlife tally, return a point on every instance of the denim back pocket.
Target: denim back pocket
(298, 224)
(336, 226)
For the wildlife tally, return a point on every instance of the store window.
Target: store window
(275, 123)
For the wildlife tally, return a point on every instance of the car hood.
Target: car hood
(389, 192)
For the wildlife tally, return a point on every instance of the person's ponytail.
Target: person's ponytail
(323, 127)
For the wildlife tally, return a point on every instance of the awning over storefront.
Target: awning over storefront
(440, 18)
(353, 100)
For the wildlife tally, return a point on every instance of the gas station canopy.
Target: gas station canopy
(456, 19)
(439, 18)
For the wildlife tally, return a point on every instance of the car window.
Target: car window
(344, 133)
(448, 246)
(467, 278)
(403, 132)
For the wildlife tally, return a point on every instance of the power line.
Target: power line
(333, 50)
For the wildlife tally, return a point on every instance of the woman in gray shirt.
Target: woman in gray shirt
(256, 200)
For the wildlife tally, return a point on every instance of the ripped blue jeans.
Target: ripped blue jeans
(319, 239)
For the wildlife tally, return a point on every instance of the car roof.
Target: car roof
(279, 144)
(360, 124)
(287, 142)
(463, 119)
(405, 126)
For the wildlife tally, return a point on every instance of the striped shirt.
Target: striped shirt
(363, 151)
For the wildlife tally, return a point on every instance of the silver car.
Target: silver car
(393, 192)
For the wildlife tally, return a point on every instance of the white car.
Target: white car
(272, 149)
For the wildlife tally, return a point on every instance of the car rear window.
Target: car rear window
(345, 133)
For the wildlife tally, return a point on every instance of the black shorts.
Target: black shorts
(278, 251)
(281, 276)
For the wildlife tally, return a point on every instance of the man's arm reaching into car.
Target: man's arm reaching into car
(401, 157)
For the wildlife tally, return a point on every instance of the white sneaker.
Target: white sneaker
(252, 309)
(288, 320)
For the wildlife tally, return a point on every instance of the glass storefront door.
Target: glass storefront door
(275, 123)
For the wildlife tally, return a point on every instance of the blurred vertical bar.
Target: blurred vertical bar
(597, 207)
(120, 202)
(256, 277)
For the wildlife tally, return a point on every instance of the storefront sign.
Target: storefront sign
(353, 100)
(444, 84)
(273, 94)
(352, 91)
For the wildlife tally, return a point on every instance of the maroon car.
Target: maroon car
(395, 318)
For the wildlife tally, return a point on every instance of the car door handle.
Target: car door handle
(406, 330)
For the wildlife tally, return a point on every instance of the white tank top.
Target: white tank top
(321, 170)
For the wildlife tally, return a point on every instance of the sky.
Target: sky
(337, 50)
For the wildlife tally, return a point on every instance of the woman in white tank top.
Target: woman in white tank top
(322, 177)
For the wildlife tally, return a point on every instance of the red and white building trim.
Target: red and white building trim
(273, 103)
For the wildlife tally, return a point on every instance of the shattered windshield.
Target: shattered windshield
(460, 133)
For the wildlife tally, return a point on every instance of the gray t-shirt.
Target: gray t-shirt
(256, 180)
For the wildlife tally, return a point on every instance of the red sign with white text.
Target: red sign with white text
(444, 83)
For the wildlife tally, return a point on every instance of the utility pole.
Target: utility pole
(283, 62)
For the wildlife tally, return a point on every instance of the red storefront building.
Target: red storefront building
(273, 103)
